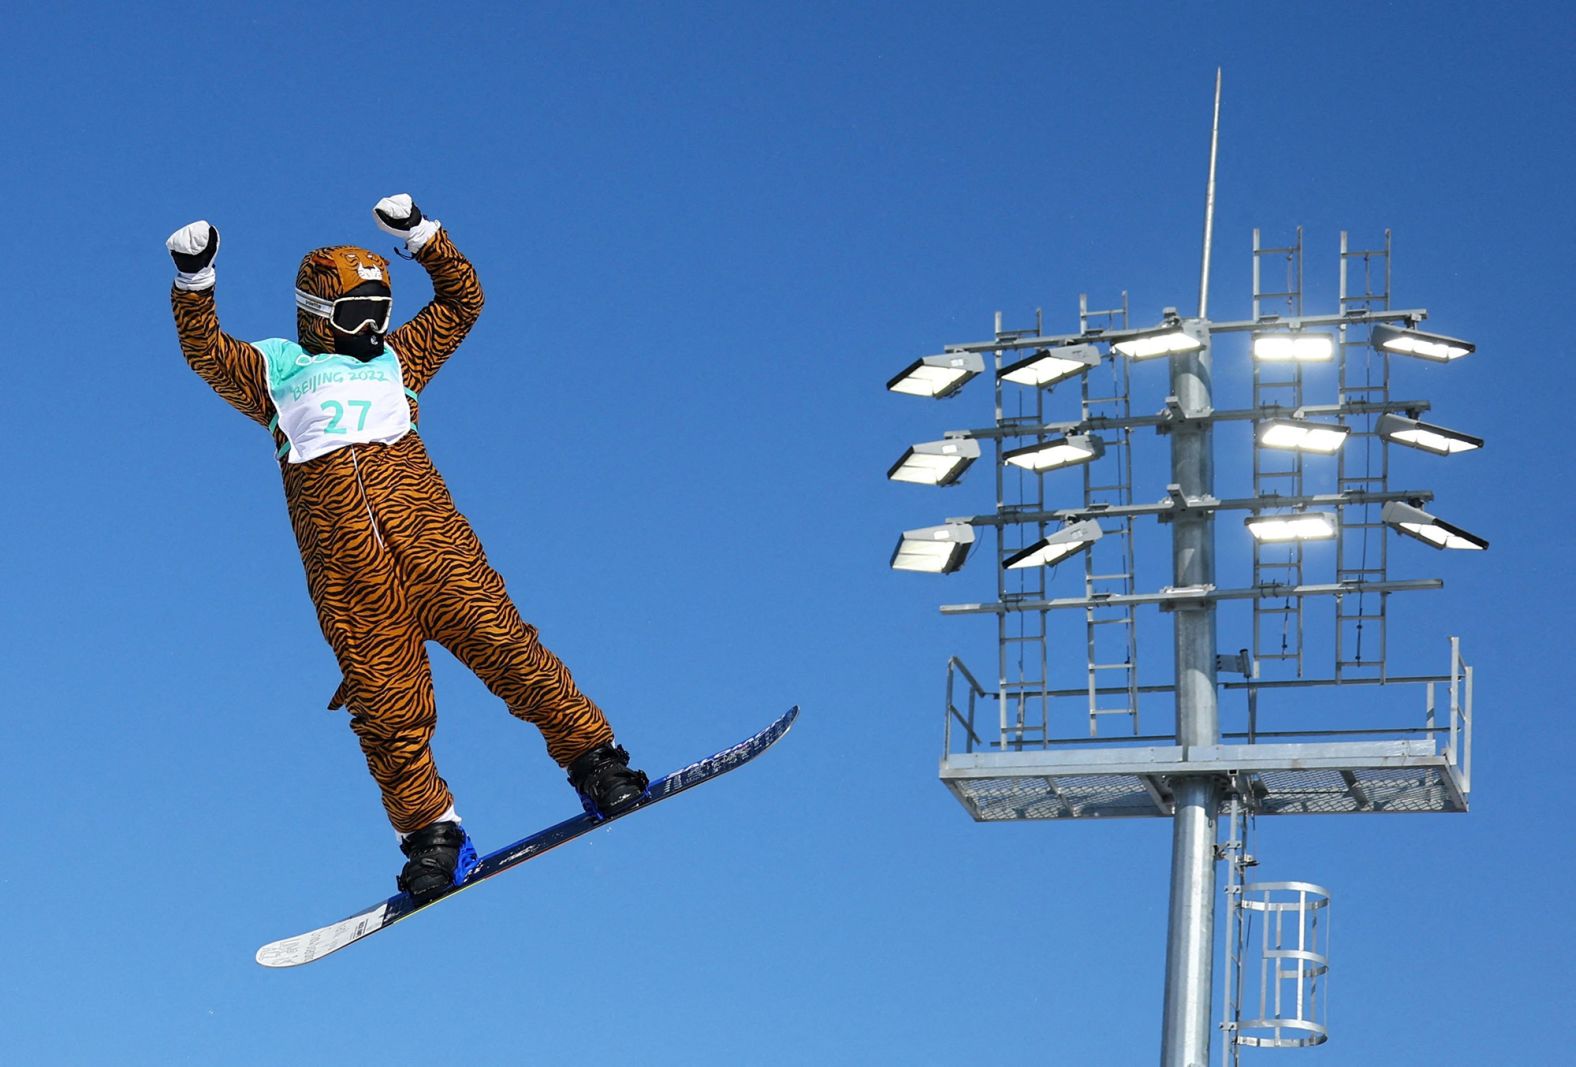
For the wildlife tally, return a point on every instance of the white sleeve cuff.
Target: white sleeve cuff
(203, 279)
(421, 234)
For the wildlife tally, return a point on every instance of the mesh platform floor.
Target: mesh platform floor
(1322, 779)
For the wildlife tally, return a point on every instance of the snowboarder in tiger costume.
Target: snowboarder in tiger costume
(390, 564)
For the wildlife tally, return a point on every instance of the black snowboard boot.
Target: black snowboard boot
(606, 785)
(441, 855)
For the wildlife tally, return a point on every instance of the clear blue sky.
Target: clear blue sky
(708, 234)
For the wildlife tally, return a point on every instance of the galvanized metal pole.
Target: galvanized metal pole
(1190, 940)
(1190, 937)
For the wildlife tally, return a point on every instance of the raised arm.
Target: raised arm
(234, 368)
(436, 331)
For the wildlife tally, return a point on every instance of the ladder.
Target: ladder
(1278, 622)
(1362, 549)
(1023, 659)
(1111, 629)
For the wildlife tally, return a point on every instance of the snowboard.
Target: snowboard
(315, 944)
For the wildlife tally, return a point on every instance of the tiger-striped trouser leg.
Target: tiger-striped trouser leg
(393, 712)
(464, 606)
(373, 628)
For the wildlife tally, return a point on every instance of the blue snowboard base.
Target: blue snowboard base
(315, 944)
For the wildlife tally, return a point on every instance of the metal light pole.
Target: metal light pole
(1190, 938)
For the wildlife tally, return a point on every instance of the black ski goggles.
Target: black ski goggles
(350, 314)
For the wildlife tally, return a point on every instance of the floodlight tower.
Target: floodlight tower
(1035, 769)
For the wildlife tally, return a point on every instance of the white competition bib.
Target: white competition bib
(326, 400)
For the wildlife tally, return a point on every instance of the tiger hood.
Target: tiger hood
(328, 274)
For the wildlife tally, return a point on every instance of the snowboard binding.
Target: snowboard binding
(439, 858)
(605, 782)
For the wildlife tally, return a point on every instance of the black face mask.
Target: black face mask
(364, 346)
(367, 316)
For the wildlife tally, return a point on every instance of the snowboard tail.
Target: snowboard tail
(315, 944)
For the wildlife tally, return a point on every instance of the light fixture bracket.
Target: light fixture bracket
(1241, 663)
(1183, 506)
(1175, 417)
(1185, 597)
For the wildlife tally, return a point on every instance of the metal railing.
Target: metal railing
(965, 694)
(964, 718)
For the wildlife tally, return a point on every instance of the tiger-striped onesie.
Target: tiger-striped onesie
(390, 564)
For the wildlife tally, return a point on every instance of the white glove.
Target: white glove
(398, 216)
(193, 247)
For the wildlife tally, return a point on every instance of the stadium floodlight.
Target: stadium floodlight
(1415, 522)
(1069, 540)
(1166, 340)
(1293, 346)
(936, 462)
(1047, 366)
(1426, 436)
(1303, 435)
(938, 376)
(934, 549)
(1057, 452)
(1434, 346)
(1302, 526)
